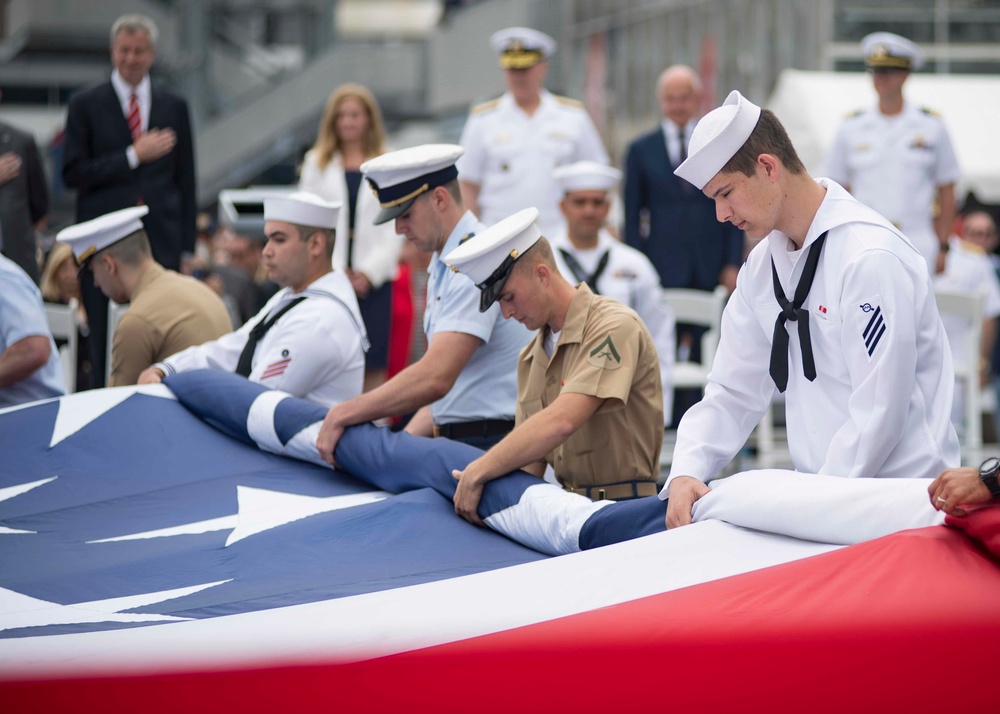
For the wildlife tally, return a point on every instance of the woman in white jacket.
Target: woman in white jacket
(350, 133)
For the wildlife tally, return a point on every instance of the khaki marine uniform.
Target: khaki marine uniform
(605, 351)
(169, 313)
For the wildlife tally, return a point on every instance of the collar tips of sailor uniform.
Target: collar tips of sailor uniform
(717, 137)
(886, 50)
(399, 177)
(521, 47)
(587, 176)
(489, 258)
(89, 237)
(302, 208)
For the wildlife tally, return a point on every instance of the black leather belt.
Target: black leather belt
(470, 429)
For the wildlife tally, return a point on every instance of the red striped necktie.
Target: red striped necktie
(134, 119)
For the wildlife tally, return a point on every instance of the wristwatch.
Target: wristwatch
(988, 473)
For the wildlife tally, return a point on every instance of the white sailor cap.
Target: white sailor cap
(717, 137)
(302, 208)
(399, 177)
(89, 237)
(521, 47)
(886, 50)
(587, 176)
(488, 257)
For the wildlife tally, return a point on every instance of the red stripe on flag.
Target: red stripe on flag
(883, 626)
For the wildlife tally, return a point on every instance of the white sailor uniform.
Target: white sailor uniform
(895, 164)
(511, 155)
(314, 351)
(881, 400)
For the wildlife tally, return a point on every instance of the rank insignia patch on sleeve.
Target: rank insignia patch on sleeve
(875, 328)
(605, 355)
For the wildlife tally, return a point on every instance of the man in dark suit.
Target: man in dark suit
(24, 198)
(129, 143)
(667, 218)
(671, 221)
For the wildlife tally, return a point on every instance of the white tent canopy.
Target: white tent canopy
(812, 105)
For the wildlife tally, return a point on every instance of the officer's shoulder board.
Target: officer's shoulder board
(853, 115)
(486, 106)
(567, 102)
(930, 112)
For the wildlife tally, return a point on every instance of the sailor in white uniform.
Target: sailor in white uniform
(309, 339)
(513, 143)
(465, 387)
(834, 307)
(969, 271)
(897, 157)
(586, 253)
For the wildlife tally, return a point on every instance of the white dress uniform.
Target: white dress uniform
(631, 279)
(895, 164)
(968, 270)
(881, 401)
(376, 247)
(511, 155)
(486, 387)
(314, 351)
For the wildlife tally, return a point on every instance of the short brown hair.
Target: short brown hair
(455, 192)
(329, 233)
(768, 137)
(540, 252)
(131, 250)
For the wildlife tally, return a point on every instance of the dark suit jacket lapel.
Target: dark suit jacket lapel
(660, 151)
(159, 116)
(660, 155)
(117, 122)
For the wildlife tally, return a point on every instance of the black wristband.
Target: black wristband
(988, 474)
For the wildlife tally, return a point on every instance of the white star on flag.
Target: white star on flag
(260, 510)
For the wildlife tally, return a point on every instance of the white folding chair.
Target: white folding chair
(698, 307)
(62, 325)
(967, 309)
(704, 309)
(115, 312)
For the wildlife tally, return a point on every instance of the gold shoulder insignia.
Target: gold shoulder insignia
(930, 112)
(855, 113)
(567, 102)
(486, 106)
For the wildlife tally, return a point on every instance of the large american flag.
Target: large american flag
(150, 562)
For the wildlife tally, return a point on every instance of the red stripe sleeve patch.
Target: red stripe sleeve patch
(276, 368)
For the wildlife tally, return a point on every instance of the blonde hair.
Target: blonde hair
(61, 252)
(328, 143)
